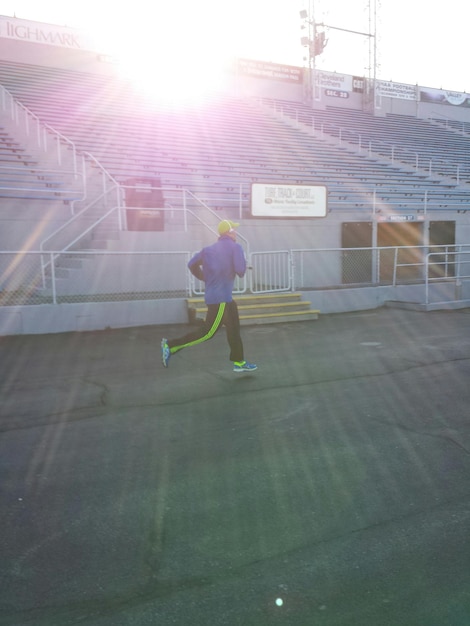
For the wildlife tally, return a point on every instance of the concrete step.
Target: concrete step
(69, 262)
(278, 317)
(59, 272)
(254, 310)
(261, 308)
(96, 244)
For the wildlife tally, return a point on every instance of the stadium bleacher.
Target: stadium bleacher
(426, 145)
(22, 177)
(218, 149)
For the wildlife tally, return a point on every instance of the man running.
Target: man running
(217, 265)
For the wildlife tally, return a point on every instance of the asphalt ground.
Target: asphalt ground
(329, 487)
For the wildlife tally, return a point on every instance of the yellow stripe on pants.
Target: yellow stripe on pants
(210, 333)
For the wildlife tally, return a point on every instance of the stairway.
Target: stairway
(261, 308)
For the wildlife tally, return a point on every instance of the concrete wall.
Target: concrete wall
(24, 224)
(45, 319)
(60, 318)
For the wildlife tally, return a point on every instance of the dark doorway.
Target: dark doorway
(145, 194)
(442, 240)
(409, 261)
(356, 264)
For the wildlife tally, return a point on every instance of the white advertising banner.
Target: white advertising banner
(39, 32)
(331, 80)
(397, 90)
(272, 200)
(273, 71)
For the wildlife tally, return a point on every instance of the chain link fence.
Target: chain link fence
(91, 276)
(399, 265)
(32, 278)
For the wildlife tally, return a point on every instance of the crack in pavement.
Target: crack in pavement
(105, 398)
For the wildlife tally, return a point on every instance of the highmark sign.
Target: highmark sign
(41, 33)
(273, 200)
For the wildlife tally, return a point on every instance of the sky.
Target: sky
(414, 43)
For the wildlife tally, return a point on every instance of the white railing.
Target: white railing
(70, 234)
(200, 210)
(440, 266)
(271, 271)
(54, 276)
(171, 195)
(240, 285)
(390, 265)
(91, 275)
(375, 145)
(37, 130)
(76, 218)
(108, 181)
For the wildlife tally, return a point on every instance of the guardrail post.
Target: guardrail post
(291, 270)
(426, 267)
(43, 272)
(395, 261)
(458, 279)
(119, 208)
(377, 265)
(53, 285)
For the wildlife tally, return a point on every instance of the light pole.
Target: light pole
(316, 41)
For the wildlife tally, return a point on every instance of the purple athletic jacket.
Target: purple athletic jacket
(217, 265)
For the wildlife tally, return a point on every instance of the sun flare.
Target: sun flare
(171, 59)
(175, 79)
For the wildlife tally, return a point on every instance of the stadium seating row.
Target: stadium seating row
(21, 176)
(218, 149)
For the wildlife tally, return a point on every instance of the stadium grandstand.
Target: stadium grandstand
(353, 197)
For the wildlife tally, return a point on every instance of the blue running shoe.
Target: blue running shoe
(165, 353)
(244, 366)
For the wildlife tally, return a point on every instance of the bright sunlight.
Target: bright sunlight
(181, 51)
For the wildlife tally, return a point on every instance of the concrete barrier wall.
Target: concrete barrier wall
(43, 319)
(60, 318)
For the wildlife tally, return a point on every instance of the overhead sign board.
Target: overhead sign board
(272, 71)
(280, 200)
(42, 33)
(400, 218)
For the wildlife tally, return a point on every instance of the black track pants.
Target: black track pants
(226, 314)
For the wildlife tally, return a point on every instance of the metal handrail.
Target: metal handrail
(457, 277)
(391, 149)
(70, 221)
(218, 218)
(279, 271)
(58, 136)
(89, 229)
